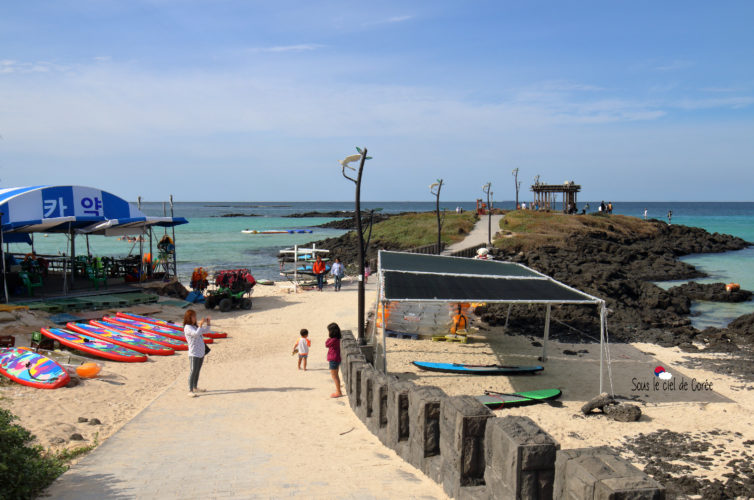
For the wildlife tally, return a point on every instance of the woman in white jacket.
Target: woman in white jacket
(195, 338)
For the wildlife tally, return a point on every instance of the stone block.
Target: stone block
(364, 403)
(398, 424)
(347, 335)
(519, 457)
(600, 473)
(463, 421)
(376, 417)
(424, 415)
(355, 375)
(347, 371)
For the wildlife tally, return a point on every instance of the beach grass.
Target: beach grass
(418, 229)
(522, 230)
(411, 230)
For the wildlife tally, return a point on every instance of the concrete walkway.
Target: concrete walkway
(478, 235)
(263, 430)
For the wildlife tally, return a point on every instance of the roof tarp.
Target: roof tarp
(417, 277)
(65, 208)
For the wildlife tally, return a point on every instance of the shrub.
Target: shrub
(25, 469)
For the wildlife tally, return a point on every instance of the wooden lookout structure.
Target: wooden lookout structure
(545, 195)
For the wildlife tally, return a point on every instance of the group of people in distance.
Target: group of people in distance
(194, 332)
(319, 268)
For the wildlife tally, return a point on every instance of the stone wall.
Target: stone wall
(458, 443)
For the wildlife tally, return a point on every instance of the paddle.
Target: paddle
(512, 394)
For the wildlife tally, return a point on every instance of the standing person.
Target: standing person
(645, 214)
(319, 269)
(670, 216)
(302, 347)
(609, 207)
(338, 271)
(333, 356)
(196, 349)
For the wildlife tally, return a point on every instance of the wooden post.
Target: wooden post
(547, 334)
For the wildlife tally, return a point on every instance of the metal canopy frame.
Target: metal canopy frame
(521, 272)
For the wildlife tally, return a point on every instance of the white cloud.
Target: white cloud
(287, 48)
(665, 376)
(675, 65)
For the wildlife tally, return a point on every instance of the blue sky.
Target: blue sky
(256, 101)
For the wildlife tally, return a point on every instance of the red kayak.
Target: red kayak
(175, 344)
(123, 324)
(120, 338)
(167, 324)
(93, 345)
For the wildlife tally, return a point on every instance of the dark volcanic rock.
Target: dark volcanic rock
(623, 412)
(598, 403)
(714, 292)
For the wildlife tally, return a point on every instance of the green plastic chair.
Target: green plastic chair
(95, 277)
(30, 284)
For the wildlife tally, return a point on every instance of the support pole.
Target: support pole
(547, 333)
(507, 316)
(2, 255)
(295, 268)
(384, 342)
(602, 340)
(175, 248)
(73, 255)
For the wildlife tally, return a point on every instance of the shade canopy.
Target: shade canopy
(65, 209)
(410, 277)
(418, 277)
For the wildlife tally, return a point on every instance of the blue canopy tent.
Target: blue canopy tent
(71, 210)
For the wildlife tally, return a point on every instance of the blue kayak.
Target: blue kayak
(477, 369)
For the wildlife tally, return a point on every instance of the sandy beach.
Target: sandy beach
(257, 355)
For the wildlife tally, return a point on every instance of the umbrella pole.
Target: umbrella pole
(2, 255)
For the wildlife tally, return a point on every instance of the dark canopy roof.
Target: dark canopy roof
(417, 277)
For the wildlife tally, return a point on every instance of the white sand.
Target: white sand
(259, 349)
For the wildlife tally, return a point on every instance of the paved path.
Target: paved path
(261, 431)
(478, 235)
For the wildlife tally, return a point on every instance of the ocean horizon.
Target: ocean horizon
(214, 240)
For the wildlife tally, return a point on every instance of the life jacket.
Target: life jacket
(460, 322)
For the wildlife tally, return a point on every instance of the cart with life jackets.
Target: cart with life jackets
(232, 290)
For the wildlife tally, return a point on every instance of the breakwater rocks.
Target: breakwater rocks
(620, 269)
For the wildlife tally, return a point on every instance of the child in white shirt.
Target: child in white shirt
(302, 348)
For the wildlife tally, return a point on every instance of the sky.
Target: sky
(258, 100)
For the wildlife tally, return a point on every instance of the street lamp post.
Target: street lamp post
(486, 190)
(437, 185)
(361, 157)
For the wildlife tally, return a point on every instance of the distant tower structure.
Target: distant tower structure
(545, 195)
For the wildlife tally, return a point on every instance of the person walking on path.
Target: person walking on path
(196, 349)
(645, 214)
(338, 271)
(333, 356)
(319, 269)
(670, 216)
(302, 348)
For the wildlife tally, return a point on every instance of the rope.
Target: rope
(574, 329)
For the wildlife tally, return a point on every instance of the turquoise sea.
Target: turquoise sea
(216, 242)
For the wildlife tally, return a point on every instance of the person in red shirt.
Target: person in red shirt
(319, 269)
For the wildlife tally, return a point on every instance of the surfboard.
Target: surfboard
(122, 338)
(477, 369)
(26, 367)
(93, 345)
(175, 344)
(165, 324)
(495, 400)
(125, 324)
